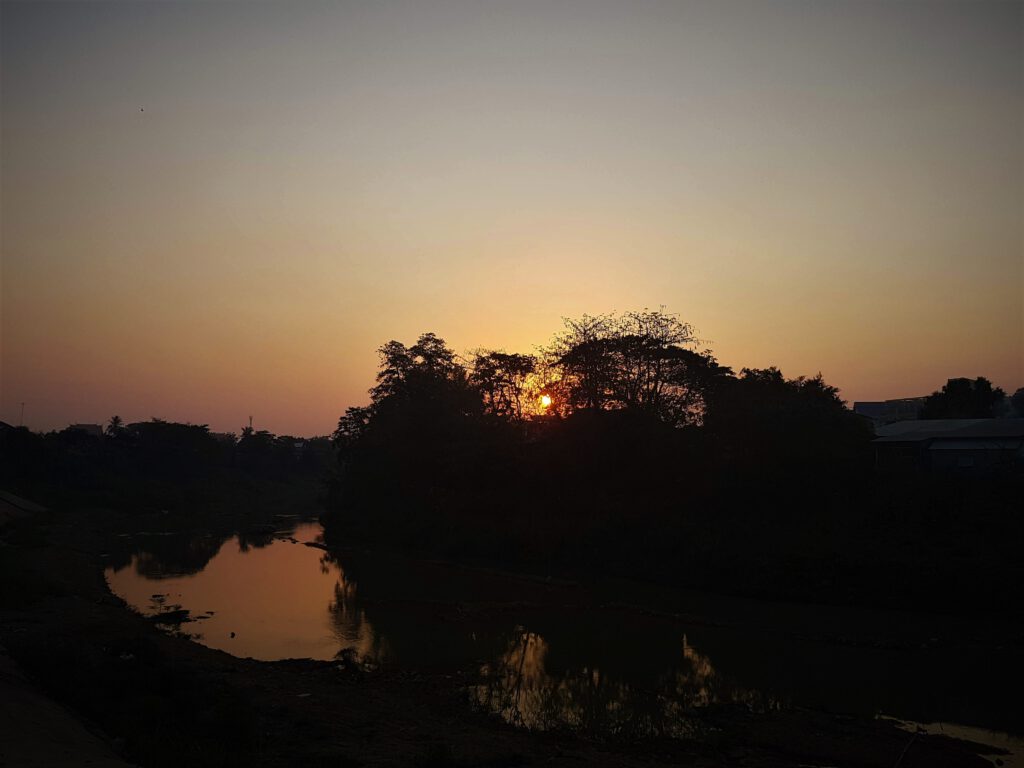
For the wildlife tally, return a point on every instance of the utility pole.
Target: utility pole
(21, 421)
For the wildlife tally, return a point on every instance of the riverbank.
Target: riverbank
(165, 701)
(26, 714)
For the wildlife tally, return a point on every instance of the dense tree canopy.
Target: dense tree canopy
(616, 410)
(964, 399)
(507, 383)
(156, 464)
(641, 361)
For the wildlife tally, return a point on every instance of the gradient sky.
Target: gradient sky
(212, 210)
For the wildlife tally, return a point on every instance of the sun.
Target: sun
(545, 401)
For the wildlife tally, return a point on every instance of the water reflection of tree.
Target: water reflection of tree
(255, 539)
(161, 557)
(349, 622)
(167, 555)
(697, 684)
(520, 688)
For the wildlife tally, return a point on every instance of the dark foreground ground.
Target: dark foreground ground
(159, 700)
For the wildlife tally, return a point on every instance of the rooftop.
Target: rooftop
(961, 429)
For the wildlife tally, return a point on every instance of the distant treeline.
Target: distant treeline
(972, 399)
(623, 446)
(156, 465)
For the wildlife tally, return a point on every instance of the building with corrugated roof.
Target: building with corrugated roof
(882, 412)
(969, 446)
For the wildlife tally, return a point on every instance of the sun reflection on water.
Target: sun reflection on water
(520, 688)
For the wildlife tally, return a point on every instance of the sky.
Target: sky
(216, 210)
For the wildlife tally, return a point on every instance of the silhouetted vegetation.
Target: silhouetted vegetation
(159, 465)
(964, 399)
(623, 446)
(1017, 403)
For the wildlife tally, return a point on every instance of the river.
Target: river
(607, 656)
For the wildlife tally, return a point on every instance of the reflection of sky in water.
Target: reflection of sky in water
(541, 656)
(272, 597)
(275, 598)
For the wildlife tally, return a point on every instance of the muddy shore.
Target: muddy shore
(161, 700)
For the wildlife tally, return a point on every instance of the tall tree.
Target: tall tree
(641, 361)
(412, 371)
(115, 426)
(581, 355)
(503, 380)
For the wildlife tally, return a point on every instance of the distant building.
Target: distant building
(96, 430)
(882, 412)
(967, 446)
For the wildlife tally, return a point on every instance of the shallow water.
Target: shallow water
(557, 655)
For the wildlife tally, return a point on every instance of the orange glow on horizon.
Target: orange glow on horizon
(389, 169)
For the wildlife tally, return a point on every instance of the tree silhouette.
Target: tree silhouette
(419, 434)
(419, 372)
(640, 361)
(503, 380)
(964, 399)
(115, 426)
(1017, 403)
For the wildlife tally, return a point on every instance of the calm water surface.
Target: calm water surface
(545, 655)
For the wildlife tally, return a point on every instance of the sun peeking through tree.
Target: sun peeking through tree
(619, 419)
